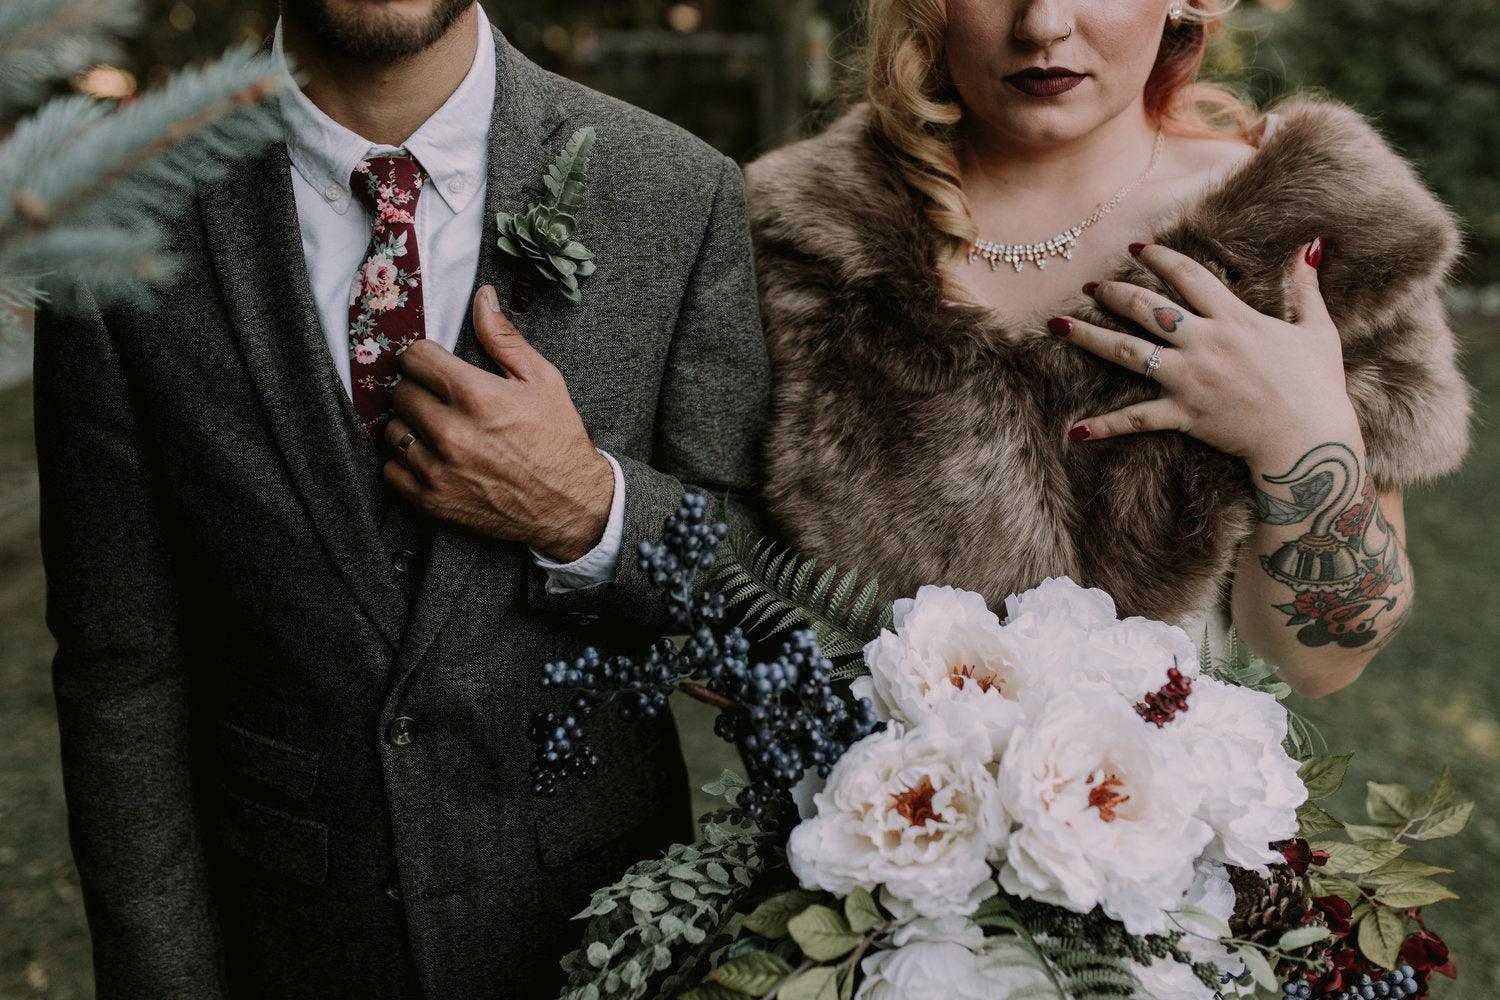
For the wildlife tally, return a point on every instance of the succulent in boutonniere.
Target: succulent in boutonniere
(543, 236)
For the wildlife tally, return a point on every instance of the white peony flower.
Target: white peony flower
(926, 970)
(916, 811)
(1103, 810)
(947, 652)
(1213, 894)
(1250, 786)
(1067, 634)
(1165, 979)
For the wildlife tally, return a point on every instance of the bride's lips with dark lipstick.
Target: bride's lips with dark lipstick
(1045, 81)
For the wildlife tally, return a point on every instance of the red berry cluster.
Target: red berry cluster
(1162, 705)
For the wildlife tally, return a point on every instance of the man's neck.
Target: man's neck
(384, 102)
(992, 165)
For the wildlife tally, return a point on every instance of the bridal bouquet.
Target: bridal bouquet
(1059, 804)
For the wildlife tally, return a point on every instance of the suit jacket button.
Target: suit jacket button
(402, 559)
(400, 732)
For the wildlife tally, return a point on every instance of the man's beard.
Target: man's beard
(367, 35)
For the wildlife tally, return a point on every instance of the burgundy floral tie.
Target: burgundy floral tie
(385, 302)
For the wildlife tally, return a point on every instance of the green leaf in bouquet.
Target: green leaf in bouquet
(1329, 885)
(1415, 892)
(1439, 794)
(860, 910)
(1380, 936)
(1389, 804)
(1357, 859)
(1312, 820)
(822, 933)
(1401, 870)
(769, 919)
(1357, 832)
(1324, 775)
(754, 974)
(1444, 822)
(682, 890)
(1301, 937)
(1259, 968)
(645, 899)
(1205, 921)
(819, 983)
(598, 954)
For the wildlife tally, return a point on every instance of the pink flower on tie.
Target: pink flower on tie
(379, 274)
(366, 351)
(385, 300)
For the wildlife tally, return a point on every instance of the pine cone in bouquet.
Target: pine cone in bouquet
(1266, 908)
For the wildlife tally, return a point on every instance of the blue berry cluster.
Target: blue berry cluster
(1395, 984)
(787, 720)
(783, 715)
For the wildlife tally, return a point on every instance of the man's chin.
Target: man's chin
(377, 29)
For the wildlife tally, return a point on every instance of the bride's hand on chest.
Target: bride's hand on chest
(1241, 381)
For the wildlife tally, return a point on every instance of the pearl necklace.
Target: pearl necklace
(1016, 254)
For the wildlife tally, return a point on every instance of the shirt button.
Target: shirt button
(399, 733)
(332, 192)
(401, 559)
(456, 185)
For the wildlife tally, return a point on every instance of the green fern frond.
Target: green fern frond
(780, 591)
(567, 176)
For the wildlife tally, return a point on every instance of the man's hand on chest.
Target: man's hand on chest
(507, 457)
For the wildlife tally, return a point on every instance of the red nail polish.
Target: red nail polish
(1136, 248)
(1060, 326)
(1315, 254)
(1091, 288)
(1079, 433)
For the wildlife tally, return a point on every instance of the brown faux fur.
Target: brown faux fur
(921, 440)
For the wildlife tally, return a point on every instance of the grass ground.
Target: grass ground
(1432, 698)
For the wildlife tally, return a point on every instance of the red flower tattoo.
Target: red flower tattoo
(1318, 605)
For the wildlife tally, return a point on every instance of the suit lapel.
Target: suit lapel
(525, 122)
(251, 219)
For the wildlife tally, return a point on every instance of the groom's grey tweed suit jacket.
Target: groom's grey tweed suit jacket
(245, 616)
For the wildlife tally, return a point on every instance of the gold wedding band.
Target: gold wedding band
(405, 442)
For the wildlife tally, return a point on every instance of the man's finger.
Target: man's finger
(403, 481)
(435, 368)
(423, 411)
(501, 340)
(1152, 415)
(412, 453)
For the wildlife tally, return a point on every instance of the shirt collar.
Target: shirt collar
(452, 145)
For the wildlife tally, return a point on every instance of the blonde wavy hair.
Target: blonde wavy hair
(916, 107)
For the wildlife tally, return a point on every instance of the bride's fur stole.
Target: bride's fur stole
(919, 439)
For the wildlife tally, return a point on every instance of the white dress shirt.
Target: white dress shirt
(453, 148)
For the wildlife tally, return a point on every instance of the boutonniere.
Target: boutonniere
(543, 236)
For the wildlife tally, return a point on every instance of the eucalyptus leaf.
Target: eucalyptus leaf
(822, 933)
(1301, 937)
(1260, 969)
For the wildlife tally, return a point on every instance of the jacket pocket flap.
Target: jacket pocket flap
(275, 840)
(278, 766)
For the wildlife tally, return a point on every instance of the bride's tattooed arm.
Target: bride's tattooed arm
(1324, 580)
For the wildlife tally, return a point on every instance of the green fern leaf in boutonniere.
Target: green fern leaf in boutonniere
(543, 236)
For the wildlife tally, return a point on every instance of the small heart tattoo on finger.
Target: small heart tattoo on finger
(1167, 318)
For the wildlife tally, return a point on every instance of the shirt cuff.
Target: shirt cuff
(599, 564)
